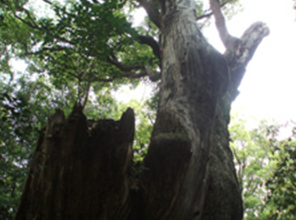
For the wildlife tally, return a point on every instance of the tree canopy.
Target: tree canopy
(265, 164)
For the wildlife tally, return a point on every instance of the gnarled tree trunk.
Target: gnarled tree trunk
(194, 77)
(188, 171)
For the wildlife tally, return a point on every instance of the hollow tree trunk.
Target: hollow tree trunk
(79, 169)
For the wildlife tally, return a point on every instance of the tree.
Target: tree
(265, 169)
(22, 117)
(80, 167)
(253, 160)
(281, 183)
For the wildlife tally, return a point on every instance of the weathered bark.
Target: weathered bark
(188, 172)
(194, 78)
(190, 134)
(79, 169)
(222, 201)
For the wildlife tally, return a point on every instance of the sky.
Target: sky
(268, 89)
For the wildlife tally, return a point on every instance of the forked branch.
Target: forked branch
(207, 13)
(239, 56)
(226, 38)
(239, 51)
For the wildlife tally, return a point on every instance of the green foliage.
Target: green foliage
(266, 170)
(18, 135)
(14, 34)
(83, 33)
(251, 156)
(73, 42)
(24, 108)
(281, 185)
(144, 123)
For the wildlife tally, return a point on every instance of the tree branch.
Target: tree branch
(243, 53)
(226, 38)
(25, 22)
(207, 13)
(152, 43)
(152, 11)
(238, 55)
(50, 3)
(126, 75)
(153, 75)
(90, 79)
(238, 51)
(122, 67)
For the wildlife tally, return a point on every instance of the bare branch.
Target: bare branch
(208, 13)
(152, 11)
(238, 55)
(48, 2)
(238, 51)
(226, 38)
(130, 75)
(122, 67)
(90, 79)
(152, 43)
(25, 22)
(242, 53)
(29, 16)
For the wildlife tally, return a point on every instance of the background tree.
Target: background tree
(265, 169)
(281, 184)
(24, 108)
(188, 171)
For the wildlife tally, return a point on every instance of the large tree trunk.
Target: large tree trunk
(188, 173)
(191, 122)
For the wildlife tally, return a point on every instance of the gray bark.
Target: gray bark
(191, 130)
(194, 78)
